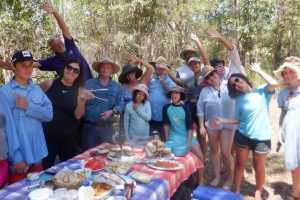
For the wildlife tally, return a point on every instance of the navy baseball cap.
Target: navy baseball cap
(23, 55)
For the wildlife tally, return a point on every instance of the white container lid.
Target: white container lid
(40, 194)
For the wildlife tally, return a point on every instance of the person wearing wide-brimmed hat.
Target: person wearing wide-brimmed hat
(159, 85)
(100, 111)
(253, 131)
(193, 85)
(234, 66)
(178, 125)
(184, 71)
(137, 114)
(130, 77)
(289, 102)
(214, 101)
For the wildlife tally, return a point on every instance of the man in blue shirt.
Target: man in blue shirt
(100, 111)
(63, 51)
(26, 108)
(159, 85)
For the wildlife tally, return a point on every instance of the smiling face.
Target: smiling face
(57, 46)
(140, 97)
(71, 72)
(213, 78)
(195, 66)
(189, 54)
(131, 77)
(106, 70)
(289, 75)
(239, 84)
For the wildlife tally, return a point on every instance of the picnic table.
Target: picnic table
(162, 187)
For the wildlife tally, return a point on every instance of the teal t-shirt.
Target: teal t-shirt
(251, 111)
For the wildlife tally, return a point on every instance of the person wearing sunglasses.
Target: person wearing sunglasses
(214, 101)
(289, 102)
(253, 131)
(68, 98)
(193, 85)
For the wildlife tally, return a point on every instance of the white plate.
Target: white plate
(40, 194)
(152, 165)
(133, 158)
(141, 177)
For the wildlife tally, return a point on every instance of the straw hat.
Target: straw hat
(206, 70)
(141, 87)
(127, 69)
(105, 59)
(177, 89)
(295, 66)
(160, 59)
(186, 49)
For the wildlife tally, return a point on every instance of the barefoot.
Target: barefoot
(258, 195)
(227, 185)
(201, 181)
(215, 182)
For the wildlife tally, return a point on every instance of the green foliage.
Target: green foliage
(267, 30)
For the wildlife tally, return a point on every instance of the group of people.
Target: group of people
(37, 123)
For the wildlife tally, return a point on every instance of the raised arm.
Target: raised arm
(5, 64)
(146, 77)
(201, 48)
(235, 65)
(255, 67)
(60, 21)
(216, 35)
(173, 77)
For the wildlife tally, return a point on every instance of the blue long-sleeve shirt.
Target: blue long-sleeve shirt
(113, 99)
(25, 136)
(136, 122)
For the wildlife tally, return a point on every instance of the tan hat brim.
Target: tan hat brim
(96, 66)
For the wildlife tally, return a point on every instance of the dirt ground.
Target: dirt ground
(278, 180)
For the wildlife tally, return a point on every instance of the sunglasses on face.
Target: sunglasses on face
(209, 75)
(75, 70)
(235, 81)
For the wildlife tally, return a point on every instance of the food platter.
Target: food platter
(164, 164)
(96, 164)
(102, 190)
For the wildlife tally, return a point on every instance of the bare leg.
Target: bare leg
(296, 182)
(226, 139)
(242, 155)
(202, 141)
(259, 161)
(195, 149)
(214, 143)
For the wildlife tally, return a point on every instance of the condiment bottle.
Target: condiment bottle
(86, 192)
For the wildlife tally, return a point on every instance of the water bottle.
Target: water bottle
(155, 135)
(86, 192)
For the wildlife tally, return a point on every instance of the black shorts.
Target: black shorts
(257, 146)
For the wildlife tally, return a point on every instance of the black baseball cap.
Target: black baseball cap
(22, 55)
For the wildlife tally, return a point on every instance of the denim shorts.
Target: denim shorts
(257, 146)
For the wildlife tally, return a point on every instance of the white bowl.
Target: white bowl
(40, 194)
(116, 198)
(33, 176)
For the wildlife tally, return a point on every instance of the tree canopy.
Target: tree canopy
(266, 30)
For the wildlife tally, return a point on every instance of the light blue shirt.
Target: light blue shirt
(136, 121)
(158, 96)
(251, 111)
(113, 99)
(24, 129)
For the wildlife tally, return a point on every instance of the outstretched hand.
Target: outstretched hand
(132, 57)
(194, 37)
(255, 67)
(292, 59)
(6, 65)
(48, 8)
(213, 34)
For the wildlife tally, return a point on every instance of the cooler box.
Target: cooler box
(210, 193)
